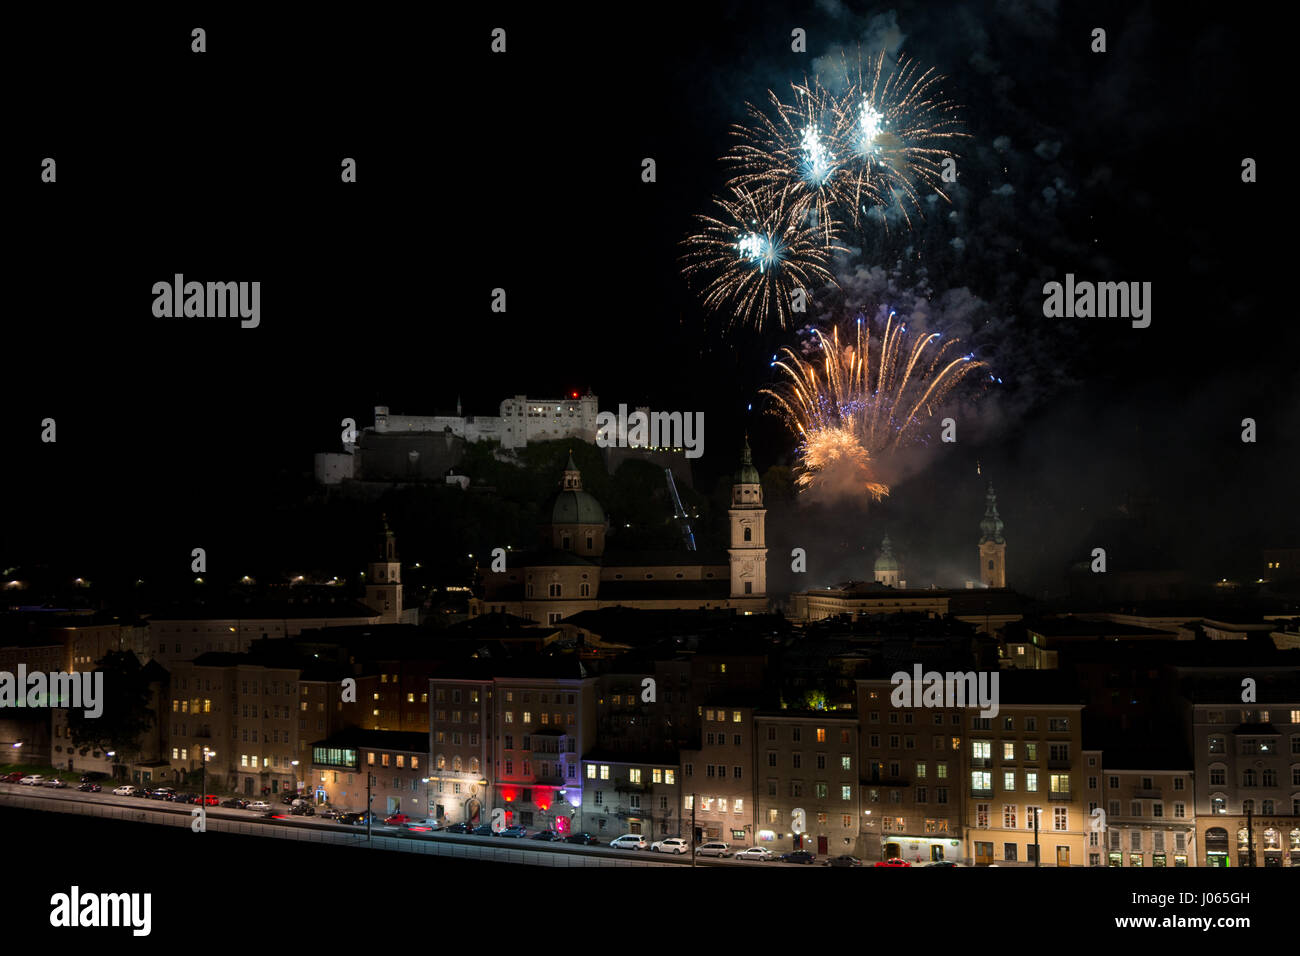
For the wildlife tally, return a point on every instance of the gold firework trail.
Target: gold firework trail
(858, 403)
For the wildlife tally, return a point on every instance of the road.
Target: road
(71, 796)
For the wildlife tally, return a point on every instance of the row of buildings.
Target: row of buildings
(651, 693)
(716, 729)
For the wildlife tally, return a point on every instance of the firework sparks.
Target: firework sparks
(858, 403)
(758, 253)
(899, 130)
(797, 147)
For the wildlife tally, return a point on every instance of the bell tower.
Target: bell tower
(993, 547)
(748, 550)
(384, 579)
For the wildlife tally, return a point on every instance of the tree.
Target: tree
(126, 713)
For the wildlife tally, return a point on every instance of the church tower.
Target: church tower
(748, 550)
(384, 579)
(993, 547)
(887, 565)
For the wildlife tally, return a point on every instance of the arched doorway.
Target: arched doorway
(1216, 847)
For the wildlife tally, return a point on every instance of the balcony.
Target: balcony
(1060, 796)
(625, 786)
(1058, 764)
(975, 792)
(1154, 793)
(981, 763)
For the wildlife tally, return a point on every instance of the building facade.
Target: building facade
(808, 783)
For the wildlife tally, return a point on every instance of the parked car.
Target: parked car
(289, 796)
(582, 839)
(55, 782)
(332, 813)
(797, 856)
(546, 836)
(483, 829)
(395, 818)
(234, 803)
(353, 819)
(843, 860)
(32, 780)
(458, 828)
(943, 863)
(754, 853)
(126, 790)
(515, 832)
(260, 806)
(302, 810)
(89, 787)
(161, 793)
(629, 841)
(185, 797)
(893, 861)
(671, 845)
(713, 848)
(13, 777)
(209, 800)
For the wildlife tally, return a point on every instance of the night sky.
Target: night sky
(522, 171)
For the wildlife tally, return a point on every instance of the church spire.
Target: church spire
(991, 526)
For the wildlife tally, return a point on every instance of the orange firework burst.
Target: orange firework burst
(862, 403)
(832, 449)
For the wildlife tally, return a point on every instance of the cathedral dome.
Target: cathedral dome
(576, 507)
(886, 561)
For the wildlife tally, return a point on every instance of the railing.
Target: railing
(1063, 796)
(981, 763)
(1058, 764)
(1152, 793)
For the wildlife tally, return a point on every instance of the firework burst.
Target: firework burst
(758, 252)
(859, 403)
(798, 147)
(896, 130)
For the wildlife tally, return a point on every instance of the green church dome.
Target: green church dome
(747, 474)
(886, 561)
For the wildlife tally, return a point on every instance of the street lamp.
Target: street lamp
(203, 799)
(426, 795)
(297, 784)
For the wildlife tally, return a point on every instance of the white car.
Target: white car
(32, 780)
(628, 841)
(713, 848)
(754, 853)
(126, 790)
(260, 805)
(671, 845)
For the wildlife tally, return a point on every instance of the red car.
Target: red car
(397, 818)
(893, 861)
(13, 777)
(208, 800)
